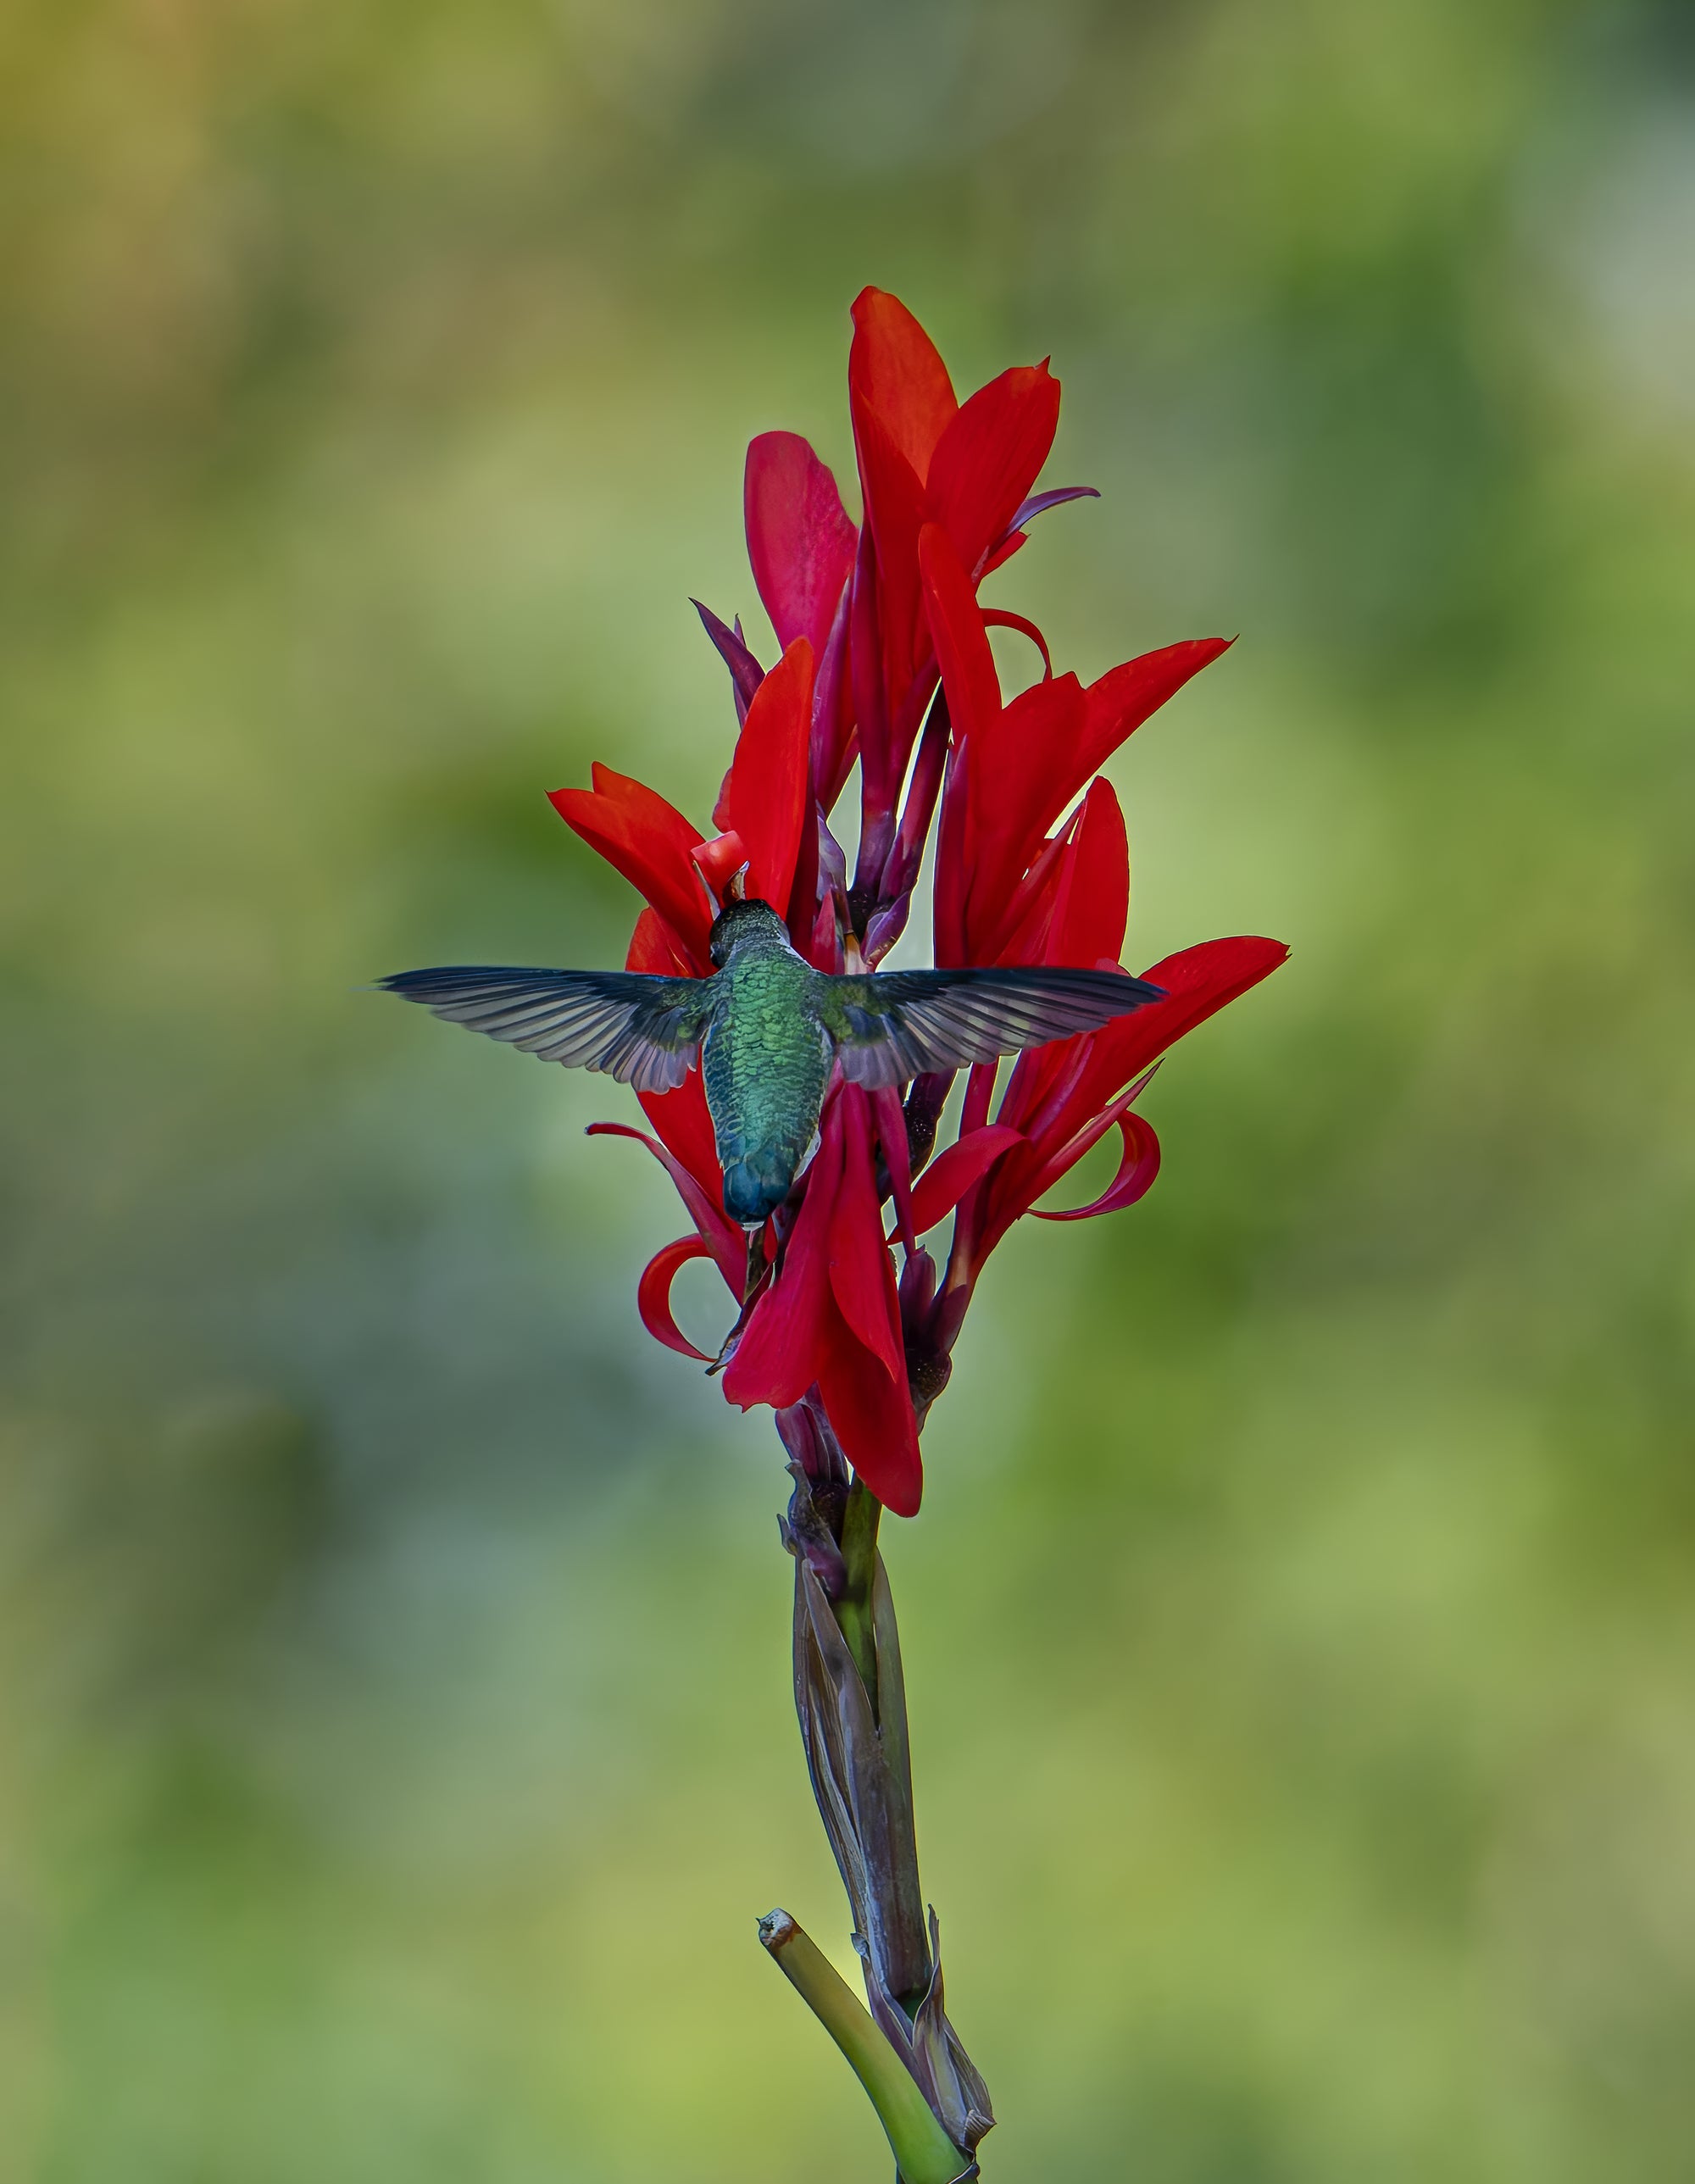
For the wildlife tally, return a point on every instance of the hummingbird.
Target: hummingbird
(766, 1029)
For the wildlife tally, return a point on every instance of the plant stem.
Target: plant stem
(853, 1609)
(923, 2152)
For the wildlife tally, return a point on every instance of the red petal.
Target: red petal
(655, 949)
(1029, 908)
(723, 1237)
(895, 375)
(987, 459)
(767, 791)
(680, 1117)
(897, 1157)
(1199, 982)
(653, 1295)
(1134, 1179)
(862, 1270)
(1125, 696)
(684, 1126)
(895, 509)
(720, 860)
(776, 1359)
(873, 1421)
(1092, 902)
(648, 842)
(945, 1181)
(1004, 618)
(968, 665)
(1022, 776)
(799, 540)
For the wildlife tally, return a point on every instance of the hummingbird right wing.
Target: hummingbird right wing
(644, 1032)
(889, 1026)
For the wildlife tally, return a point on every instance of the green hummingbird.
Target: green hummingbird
(766, 1029)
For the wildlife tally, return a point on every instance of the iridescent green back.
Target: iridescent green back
(765, 1060)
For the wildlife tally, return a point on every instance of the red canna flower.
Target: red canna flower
(886, 662)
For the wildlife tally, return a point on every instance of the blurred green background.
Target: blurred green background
(396, 1747)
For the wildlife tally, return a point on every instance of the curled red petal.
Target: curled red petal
(800, 543)
(945, 1181)
(987, 459)
(683, 1124)
(649, 841)
(1004, 618)
(723, 1237)
(1137, 1169)
(768, 798)
(1063, 1095)
(653, 1295)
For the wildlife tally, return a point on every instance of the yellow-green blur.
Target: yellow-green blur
(396, 1745)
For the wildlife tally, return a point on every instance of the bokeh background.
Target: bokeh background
(396, 1747)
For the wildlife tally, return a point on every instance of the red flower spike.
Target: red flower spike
(649, 841)
(987, 459)
(653, 1295)
(769, 797)
(800, 543)
(896, 374)
(871, 620)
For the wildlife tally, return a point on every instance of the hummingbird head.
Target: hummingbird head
(735, 922)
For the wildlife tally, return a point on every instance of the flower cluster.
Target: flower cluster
(886, 663)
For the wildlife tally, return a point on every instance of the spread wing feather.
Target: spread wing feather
(889, 1026)
(642, 1031)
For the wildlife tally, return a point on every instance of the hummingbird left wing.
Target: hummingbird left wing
(889, 1026)
(644, 1032)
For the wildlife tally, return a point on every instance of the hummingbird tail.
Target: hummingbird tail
(755, 1187)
